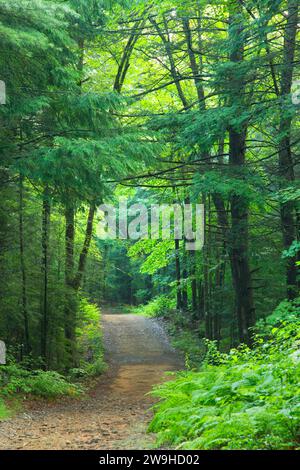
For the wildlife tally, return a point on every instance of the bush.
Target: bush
(161, 306)
(247, 399)
(51, 384)
(48, 384)
(4, 413)
(192, 346)
(285, 311)
(89, 336)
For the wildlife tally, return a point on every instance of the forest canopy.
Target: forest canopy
(162, 103)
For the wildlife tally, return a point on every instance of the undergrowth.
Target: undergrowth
(246, 399)
(4, 413)
(160, 306)
(89, 342)
(27, 378)
(14, 380)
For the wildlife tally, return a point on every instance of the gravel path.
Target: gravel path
(116, 412)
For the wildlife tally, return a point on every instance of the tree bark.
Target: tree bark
(44, 274)
(70, 304)
(238, 247)
(27, 345)
(125, 59)
(193, 62)
(184, 293)
(286, 167)
(206, 274)
(168, 48)
(85, 249)
(192, 256)
(178, 276)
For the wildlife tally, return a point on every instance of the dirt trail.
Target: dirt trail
(115, 414)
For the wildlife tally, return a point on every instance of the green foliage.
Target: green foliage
(189, 342)
(15, 380)
(4, 413)
(158, 254)
(285, 311)
(90, 346)
(292, 251)
(67, 139)
(247, 399)
(245, 185)
(161, 306)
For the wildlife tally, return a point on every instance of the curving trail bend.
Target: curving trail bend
(116, 412)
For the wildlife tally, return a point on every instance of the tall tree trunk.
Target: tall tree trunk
(239, 247)
(221, 270)
(206, 274)
(192, 256)
(70, 304)
(286, 167)
(74, 281)
(200, 303)
(239, 205)
(70, 298)
(184, 292)
(178, 276)
(125, 59)
(165, 37)
(85, 249)
(27, 346)
(44, 273)
(192, 59)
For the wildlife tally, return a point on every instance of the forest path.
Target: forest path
(115, 413)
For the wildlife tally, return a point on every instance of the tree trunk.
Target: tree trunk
(44, 275)
(85, 249)
(165, 37)
(238, 247)
(178, 276)
(192, 256)
(200, 303)
(221, 270)
(192, 59)
(27, 346)
(125, 59)
(286, 168)
(70, 304)
(206, 274)
(184, 293)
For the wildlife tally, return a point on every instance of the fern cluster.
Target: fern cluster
(15, 379)
(247, 399)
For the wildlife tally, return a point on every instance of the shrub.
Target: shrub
(51, 384)
(48, 384)
(247, 399)
(189, 342)
(160, 306)
(285, 311)
(89, 335)
(4, 413)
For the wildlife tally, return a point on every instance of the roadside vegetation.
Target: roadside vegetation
(29, 378)
(243, 399)
(163, 104)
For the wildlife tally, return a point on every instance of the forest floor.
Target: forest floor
(115, 412)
